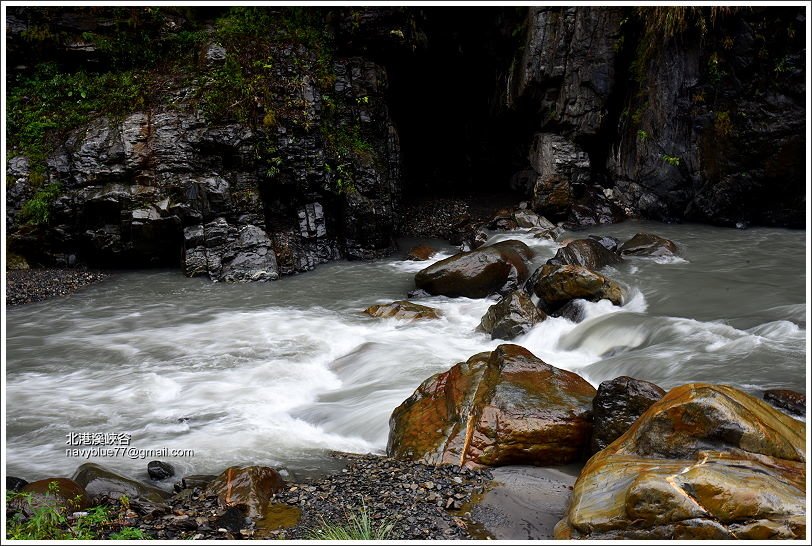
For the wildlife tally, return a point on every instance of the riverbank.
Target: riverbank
(32, 285)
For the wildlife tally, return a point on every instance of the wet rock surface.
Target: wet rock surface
(512, 316)
(617, 404)
(501, 267)
(648, 244)
(557, 285)
(707, 462)
(525, 502)
(247, 488)
(498, 408)
(791, 401)
(403, 310)
(102, 483)
(585, 252)
(31, 285)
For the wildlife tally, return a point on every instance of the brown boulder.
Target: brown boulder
(585, 252)
(648, 244)
(498, 408)
(556, 285)
(402, 309)
(62, 494)
(618, 404)
(421, 253)
(706, 461)
(479, 273)
(511, 316)
(249, 488)
(101, 482)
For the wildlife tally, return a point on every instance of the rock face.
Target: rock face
(648, 244)
(705, 462)
(556, 285)
(403, 310)
(618, 404)
(249, 488)
(310, 176)
(501, 267)
(686, 122)
(585, 252)
(502, 407)
(100, 482)
(511, 316)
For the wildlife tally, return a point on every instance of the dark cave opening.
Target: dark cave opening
(447, 100)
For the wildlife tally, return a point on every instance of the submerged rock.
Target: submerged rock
(556, 285)
(404, 310)
(618, 404)
(249, 488)
(497, 408)
(586, 252)
(648, 244)
(705, 462)
(511, 316)
(421, 253)
(479, 273)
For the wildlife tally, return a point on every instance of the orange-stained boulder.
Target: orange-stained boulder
(498, 408)
(421, 253)
(705, 462)
(249, 487)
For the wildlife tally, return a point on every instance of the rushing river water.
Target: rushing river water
(279, 373)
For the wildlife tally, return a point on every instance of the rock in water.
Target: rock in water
(648, 244)
(479, 273)
(705, 462)
(250, 488)
(421, 253)
(512, 316)
(585, 252)
(497, 408)
(404, 310)
(792, 401)
(556, 285)
(617, 405)
(159, 470)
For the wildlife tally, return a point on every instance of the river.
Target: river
(280, 373)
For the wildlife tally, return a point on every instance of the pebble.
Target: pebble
(32, 285)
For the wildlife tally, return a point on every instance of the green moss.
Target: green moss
(37, 210)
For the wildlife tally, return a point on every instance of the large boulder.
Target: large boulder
(101, 483)
(648, 244)
(586, 252)
(404, 310)
(556, 285)
(497, 408)
(618, 404)
(705, 462)
(511, 316)
(60, 493)
(501, 267)
(249, 488)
